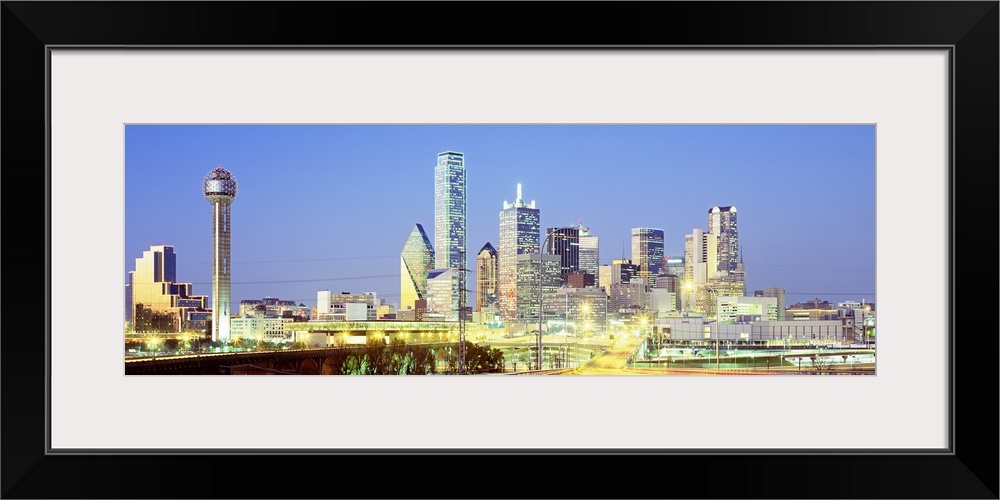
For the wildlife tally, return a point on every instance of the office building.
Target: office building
(271, 307)
(700, 256)
(698, 331)
(663, 302)
(778, 293)
(722, 223)
(450, 214)
(739, 309)
(630, 298)
(219, 187)
(623, 271)
(564, 242)
(346, 306)
(604, 278)
(647, 252)
(527, 282)
(442, 294)
(673, 265)
(670, 283)
(815, 309)
(155, 301)
(449, 210)
(486, 278)
(580, 279)
(519, 234)
(265, 329)
(415, 261)
(579, 312)
(589, 261)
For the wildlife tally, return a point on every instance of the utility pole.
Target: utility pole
(461, 315)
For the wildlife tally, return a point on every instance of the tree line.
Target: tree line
(377, 357)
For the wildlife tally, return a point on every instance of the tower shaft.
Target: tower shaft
(221, 271)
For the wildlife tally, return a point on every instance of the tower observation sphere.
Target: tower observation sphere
(219, 187)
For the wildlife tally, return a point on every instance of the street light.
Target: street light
(540, 275)
(152, 342)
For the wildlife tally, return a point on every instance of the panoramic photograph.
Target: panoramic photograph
(499, 250)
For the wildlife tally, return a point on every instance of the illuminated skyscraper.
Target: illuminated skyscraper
(486, 278)
(527, 281)
(700, 256)
(564, 242)
(722, 223)
(519, 234)
(589, 254)
(647, 252)
(442, 299)
(415, 261)
(449, 216)
(673, 265)
(154, 300)
(220, 190)
(449, 210)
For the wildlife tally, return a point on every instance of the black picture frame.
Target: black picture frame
(967, 470)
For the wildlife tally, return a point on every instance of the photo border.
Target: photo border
(32, 29)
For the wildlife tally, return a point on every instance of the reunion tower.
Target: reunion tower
(220, 191)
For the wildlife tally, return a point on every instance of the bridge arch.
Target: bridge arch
(329, 367)
(308, 366)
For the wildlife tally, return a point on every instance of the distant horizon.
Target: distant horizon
(328, 207)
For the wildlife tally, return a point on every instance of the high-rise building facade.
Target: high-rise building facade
(564, 242)
(415, 261)
(155, 301)
(442, 299)
(527, 281)
(449, 210)
(777, 293)
(673, 265)
(219, 187)
(580, 312)
(722, 223)
(520, 224)
(590, 257)
(450, 216)
(622, 271)
(647, 252)
(700, 256)
(486, 278)
(604, 280)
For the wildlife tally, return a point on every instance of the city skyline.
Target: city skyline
(338, 201)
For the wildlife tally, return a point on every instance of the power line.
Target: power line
(293, 260)
(344, 278)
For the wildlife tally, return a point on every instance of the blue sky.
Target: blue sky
(329, 207)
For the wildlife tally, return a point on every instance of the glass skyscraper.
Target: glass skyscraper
(415, 261)
(486, 277)
(564, 242)
(449, 215)
(589, 254)
(647, 252)
(520, 224)
(449, 210)
(152, 289)
(722, 223)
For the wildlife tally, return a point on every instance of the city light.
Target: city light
(681, 308)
